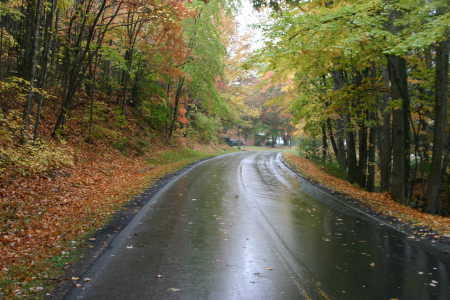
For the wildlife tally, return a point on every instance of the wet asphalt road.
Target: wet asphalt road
(243, 226)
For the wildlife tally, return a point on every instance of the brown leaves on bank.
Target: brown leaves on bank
(381, 202)
(45, 217)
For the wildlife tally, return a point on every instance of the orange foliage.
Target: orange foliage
(45, 215)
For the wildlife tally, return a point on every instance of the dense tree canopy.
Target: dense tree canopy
(159, 58)
(371, 77)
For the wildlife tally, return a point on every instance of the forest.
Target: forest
(369, 80)
(362, 84)
(129, 74)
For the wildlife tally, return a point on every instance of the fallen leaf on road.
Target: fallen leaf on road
(372, 264)
(174, 290)
(270, 269)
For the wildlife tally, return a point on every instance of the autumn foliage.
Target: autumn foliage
(370, 81)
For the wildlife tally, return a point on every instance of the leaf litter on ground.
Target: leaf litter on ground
(46, 218)
(428, 226)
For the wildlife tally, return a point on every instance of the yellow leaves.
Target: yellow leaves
(33, 158)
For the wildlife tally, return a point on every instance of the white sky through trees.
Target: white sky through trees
(247, 18)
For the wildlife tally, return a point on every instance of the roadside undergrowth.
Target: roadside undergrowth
(46, 218)
(437, 226)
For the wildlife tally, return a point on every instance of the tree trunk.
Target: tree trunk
(444, 175)
(44, 66)
(83, 56)
(352, 169)
(397, 72)
(324, 144)
(108, 72)
(370, 186)
(400, 120)
(126, 78)
(440, 125)
(362, 155)
(177, 102)
(341, 155)
(333, 140)
(29, 37)
(385, 137)
(31, 65)
(91, 108)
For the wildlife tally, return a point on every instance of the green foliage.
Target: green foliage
(308, 41)
(101, 132)
(310, 148)
(204, 36)
(157, 114)
(10, 10)
(120, 121)
(205, 128)
(332, 168)
(426, 23)
(14, 86)
(121, 144)
(100, 113)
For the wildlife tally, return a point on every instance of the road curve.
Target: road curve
(243, 226)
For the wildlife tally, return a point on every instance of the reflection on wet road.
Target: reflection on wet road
(242, 226)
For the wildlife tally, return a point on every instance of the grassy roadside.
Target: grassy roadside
(45, 219)
(437, 227)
